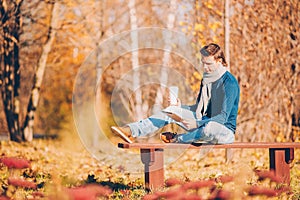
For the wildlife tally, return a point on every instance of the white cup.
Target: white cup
(173, 94)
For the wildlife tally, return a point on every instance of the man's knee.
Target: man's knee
(218, 132)
(210, 128)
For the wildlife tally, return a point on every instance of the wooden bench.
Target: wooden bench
(152, 156)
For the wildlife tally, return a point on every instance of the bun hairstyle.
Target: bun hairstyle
(215, 50)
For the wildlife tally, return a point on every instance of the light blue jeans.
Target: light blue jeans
(211, 132)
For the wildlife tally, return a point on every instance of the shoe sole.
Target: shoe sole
(121, 134)
(165, 141)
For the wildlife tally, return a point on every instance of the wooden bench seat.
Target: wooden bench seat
(152, 156)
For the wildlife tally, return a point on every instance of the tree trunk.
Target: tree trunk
(39, 73)
(138, 112)
(10, 67)
(99, 66)
(167, 48)
(227, 32)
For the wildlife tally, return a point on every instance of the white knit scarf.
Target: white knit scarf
(208, 79)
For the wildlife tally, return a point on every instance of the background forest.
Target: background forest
(264, 55)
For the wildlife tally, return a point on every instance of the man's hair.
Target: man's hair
(215, 50)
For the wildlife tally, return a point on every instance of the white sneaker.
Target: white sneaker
(118, 131)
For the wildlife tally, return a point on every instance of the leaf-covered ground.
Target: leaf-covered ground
(63, 170)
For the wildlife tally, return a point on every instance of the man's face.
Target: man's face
(209, 64)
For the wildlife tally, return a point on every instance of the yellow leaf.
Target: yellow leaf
(219, 13)
(198, 55)
(199, 27)
(181, 23)
(214, 26)
(209, 5)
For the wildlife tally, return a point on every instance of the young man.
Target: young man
(212, 119)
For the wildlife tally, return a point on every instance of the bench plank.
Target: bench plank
(217, 146)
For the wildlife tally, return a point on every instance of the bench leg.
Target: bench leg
(153, 160)
(228, 155)
(279, 162)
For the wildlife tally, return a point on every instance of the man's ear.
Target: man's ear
(218, 60)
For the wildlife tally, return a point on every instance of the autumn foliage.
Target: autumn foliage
(17, 182)
(15, 163)
(88, 192)
(263, 54)
(268, 175)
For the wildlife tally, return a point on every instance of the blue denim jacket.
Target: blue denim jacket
(223, 105)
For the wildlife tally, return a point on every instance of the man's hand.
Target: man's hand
(189, 123)
(175, 117)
